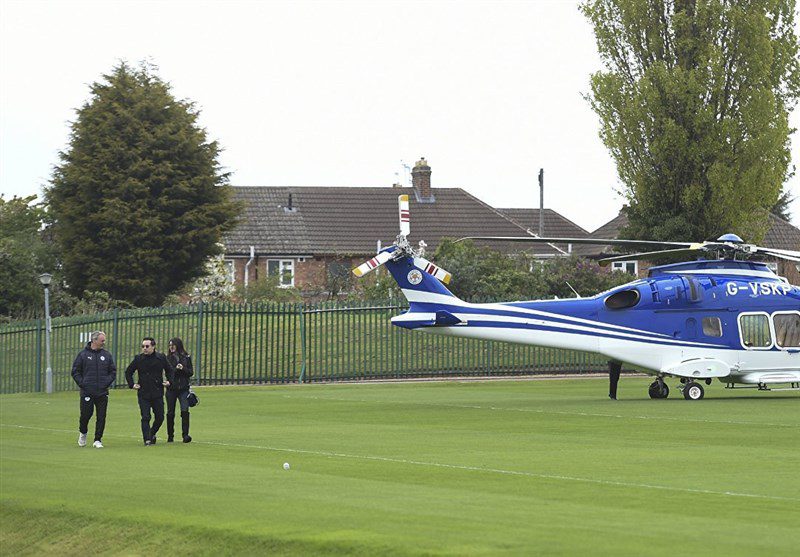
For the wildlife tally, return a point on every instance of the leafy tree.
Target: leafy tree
(24, 255)
(693, 105)
(215, 284)
(139, 200)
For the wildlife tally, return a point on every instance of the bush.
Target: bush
(265, 289)
(480, 273)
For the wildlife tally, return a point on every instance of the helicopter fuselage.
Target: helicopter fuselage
(735, 321)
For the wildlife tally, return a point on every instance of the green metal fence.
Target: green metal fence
(273, 343)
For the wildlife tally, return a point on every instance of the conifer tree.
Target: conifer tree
(139, 200)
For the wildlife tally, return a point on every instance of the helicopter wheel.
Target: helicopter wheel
(658, 389)
(693, 391)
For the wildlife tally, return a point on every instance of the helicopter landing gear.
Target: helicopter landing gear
(658, 389)
(693, 391)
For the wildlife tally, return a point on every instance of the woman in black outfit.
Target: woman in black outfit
(178, 388)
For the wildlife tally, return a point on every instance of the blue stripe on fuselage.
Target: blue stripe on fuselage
(576, 320)
(556, 329)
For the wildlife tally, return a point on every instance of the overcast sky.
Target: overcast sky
(334, 93)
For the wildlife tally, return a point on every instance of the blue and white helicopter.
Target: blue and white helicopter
(725, 318)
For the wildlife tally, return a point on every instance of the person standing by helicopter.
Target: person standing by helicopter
(152, 368)
(178, 389)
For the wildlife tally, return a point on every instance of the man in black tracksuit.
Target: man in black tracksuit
(94, 372)
(152, 368)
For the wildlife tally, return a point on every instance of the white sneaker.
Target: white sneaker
(82, 440)
(97, 445)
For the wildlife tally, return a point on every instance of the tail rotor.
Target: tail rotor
(402, 248)
(405, 215)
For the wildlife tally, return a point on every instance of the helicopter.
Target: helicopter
(725, 318)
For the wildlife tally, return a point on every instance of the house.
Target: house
(311, 236)
(780, 235)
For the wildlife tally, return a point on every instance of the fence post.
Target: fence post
(197, 359)
(303, 355)
(38, 355)
(115, 333)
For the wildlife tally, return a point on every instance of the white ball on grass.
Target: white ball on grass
(285, 465)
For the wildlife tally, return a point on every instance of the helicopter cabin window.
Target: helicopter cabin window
(712, 327)
(754, 330)
(630, 267)
(283, 269)
(787, 329)
(623, 299)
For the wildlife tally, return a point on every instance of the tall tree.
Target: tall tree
(24, 254)
(693, 105)
(139, 200)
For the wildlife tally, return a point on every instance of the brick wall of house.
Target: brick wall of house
(238, 270)
(787, 269)
(310, 274)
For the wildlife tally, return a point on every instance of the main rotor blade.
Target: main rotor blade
(789, 255)
(372, 264)
(649, 255)
(405, 215)
(432, 269)
(590, 241)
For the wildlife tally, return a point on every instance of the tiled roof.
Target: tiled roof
(609, 230)
(782, 235)
(346, 220)
(554, 224)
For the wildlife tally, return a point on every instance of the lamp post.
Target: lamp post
(45, 279)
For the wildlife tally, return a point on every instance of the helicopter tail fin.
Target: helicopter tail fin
(423, 285)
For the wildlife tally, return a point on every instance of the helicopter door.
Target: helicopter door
(755, 336)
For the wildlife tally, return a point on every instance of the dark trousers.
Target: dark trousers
(614, 369)
(88, 404)
(174, 396)
(157, 406)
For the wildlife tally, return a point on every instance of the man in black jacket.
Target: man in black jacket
(152, 368)
(94, 372)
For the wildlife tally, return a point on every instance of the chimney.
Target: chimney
(290, 208)
(421, 180)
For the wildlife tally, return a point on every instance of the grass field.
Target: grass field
(549, 467)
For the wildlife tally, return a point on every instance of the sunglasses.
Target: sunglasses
(146, 345)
